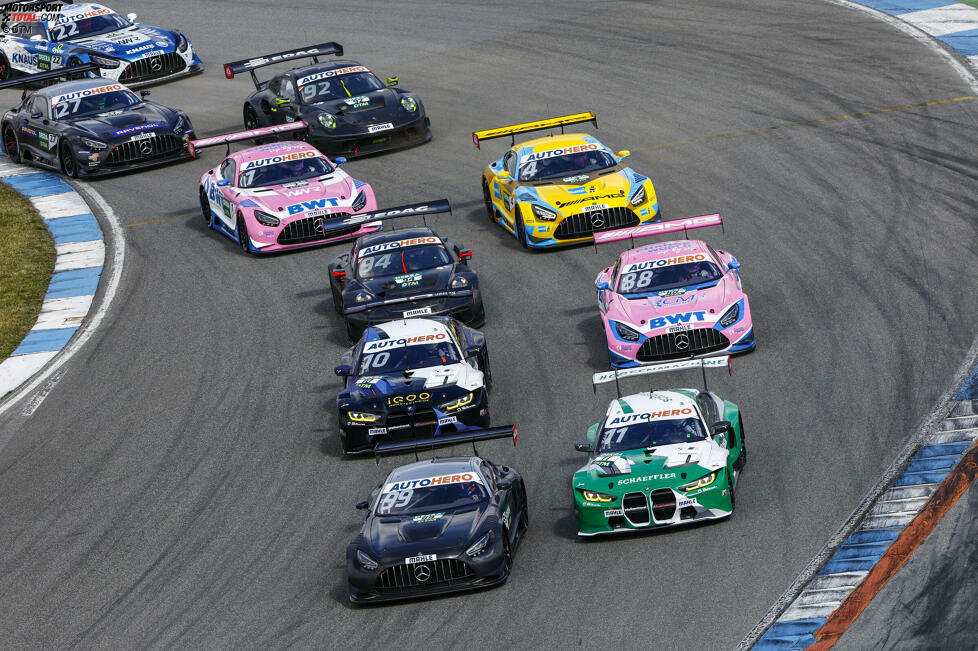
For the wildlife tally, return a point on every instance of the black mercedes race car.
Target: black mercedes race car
(350, 112)
(436, 527)
(91, 127)
(405, 273)
(414, 379)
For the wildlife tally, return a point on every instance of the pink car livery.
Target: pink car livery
(283, 195)
(672, 300)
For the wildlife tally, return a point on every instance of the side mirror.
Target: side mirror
(339, 275)
(624, 153)
(131, 17)
(144, 93)
(279, 101)
(503, 485)
(343, 370)
(583, 446)
(362, 506)
(602, 284)
(733, 265)
(36, 115)
(722, 427)
(465, 256)
(223, 182)
(340, 161)
(503, 175)
(392, 81)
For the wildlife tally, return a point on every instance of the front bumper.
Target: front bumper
(467, 309)
(571, 229)
(141, 72)
(415, 132)
(625, 512)
(104, 164)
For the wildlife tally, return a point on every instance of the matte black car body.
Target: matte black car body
(432, 293)
(142, 135)
(405, 407)
(390, 540)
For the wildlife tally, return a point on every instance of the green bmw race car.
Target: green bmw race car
(659, 459)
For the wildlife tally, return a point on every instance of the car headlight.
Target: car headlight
(179, 126)
(625, 332)
(730, 316)
(360, 201)
(593, 496)
(410, 104)
(94, 144)
(104, 62)
(361, 417)
(366, 562)
(327, 120)
(639, 197)
(182, 42)
(542, 213)
(363, 297)
(701, 482)
(459, 282)
(480, 545)
(461, 403)
(266, 219)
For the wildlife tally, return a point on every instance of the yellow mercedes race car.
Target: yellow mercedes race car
(561, 189)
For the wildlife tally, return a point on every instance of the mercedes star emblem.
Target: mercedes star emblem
(146, 147)
(682, 341)
(156, 64)
(422, 573)
(318, 225)
(597, 219)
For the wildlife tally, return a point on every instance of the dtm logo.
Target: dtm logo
(677, 319)
(296, 208)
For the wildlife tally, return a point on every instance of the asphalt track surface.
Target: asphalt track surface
(171, 489)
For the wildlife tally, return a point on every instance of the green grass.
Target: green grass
(973, 3)
(26, 263)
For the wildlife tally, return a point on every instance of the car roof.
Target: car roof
(433, 468)
(665, 250)
(75, 86)
(409, 328)
(323, 66)
(274, 149)
(382, 237)
(660, 404)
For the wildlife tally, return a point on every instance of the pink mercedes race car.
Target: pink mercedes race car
(282, 195)
(672, 300)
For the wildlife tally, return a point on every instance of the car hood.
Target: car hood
(307, 198)
(663, 466)
(439, 383)
(411, 283)
(698, 307)
(382, 105)
(611, 190)
(131, 43)
(144, 118)
(429, 533)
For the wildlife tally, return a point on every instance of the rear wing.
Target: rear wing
(312, 52)
(470, 436)
(27, 80)
(228, 138)
(658, 228)
(701, 363)
(539, 125)
(409, 210)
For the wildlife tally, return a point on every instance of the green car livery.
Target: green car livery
(659, 459)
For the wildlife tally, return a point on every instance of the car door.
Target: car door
(25, 39)
(505, 498)
(34, 114)
(219, 196)
(284, 106)
(507, 189)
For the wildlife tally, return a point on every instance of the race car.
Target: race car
(659, 458)
(405, 273)
(283, 195)
(561, 189)
(672, 300)
(77, 34)
(92, 127)
(350, 111)
(435, 527)
(421, 378)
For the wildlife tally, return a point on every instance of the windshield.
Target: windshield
(263, 173)
(408, 358)
(657, 279)
(544, 166)
(432, 494)
(96, 100)
(393, 263)
(88, 26)
(348, 87)
(650, 433)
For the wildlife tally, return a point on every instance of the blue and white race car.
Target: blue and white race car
(124, 50)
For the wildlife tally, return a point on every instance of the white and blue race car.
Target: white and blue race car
(79, 34)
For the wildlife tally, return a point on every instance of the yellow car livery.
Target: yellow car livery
(561, 189)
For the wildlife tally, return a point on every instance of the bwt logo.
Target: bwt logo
(296, 208)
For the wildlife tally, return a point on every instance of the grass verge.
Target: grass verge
(973, 3)
(26, 263)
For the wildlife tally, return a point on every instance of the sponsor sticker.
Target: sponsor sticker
(358, 102)
(136, 128)
(576, 149)
(423, 558)
(679, 328)
(145, 135)
(597, 206)
(329, 73)
(71, 18)
(384, 344)
(440, 480)
(610, 513)
(447, 420)
(368, 381)
(638, 480)
(580, 178)
(315, 205)
(414, 241)
(375, 431)
(418, 312)
(274, 160)
(424, 396)
(408, 280)
(374, 128)
(664, 262)
(428, 517)
(88, 92)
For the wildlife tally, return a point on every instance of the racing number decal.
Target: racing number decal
(395, 499)
(61, 32)
(220, 205)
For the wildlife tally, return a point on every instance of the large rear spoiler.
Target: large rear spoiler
(312, 52)
(658, 228)
(470, 436)
(409, 210)
(228, 138)
(701, 363)
(539, 125)
(26, 80)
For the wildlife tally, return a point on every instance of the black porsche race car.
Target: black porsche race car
(350, 112)
(90, 127)
(436, 527)
(405, 273)
(416, 379)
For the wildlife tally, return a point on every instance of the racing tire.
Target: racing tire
(742, 459)
(337, 300)
(507, 551)
(487, 199)
(11, 146)
(242, 232)
(250, 118)
(66, 158)
(74, 63)
(521, 231)
(205, 210)
(526, 508)
(6, 72)
(353, 332)
(733, 499)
